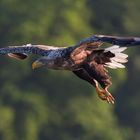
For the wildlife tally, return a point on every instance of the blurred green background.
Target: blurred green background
(55, 105)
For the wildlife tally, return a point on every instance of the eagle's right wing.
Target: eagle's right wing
(21, 52)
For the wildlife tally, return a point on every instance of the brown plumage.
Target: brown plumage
(86, 59)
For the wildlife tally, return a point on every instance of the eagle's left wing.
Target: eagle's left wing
(111, 57)
(115, 40)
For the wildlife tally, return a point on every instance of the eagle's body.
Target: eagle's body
(84, 59)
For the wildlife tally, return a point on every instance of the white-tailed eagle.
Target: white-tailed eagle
(87, 59)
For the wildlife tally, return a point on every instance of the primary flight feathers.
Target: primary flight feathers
(87, 59)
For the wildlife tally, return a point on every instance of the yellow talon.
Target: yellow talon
(104, 94)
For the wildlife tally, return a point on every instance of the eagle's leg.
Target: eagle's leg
(100, 92)
(104, 94)
(110, 98)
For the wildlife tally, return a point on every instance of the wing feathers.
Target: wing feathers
(119, 57)
(20, 56)
(115, 64)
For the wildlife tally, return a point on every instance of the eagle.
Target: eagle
(88, 59)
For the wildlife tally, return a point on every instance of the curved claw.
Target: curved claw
(109, 97)
(104, 94)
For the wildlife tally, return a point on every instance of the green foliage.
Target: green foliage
(55, 105)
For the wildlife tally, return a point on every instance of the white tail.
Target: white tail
(118, 59)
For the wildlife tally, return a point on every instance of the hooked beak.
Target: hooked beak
(37, 64)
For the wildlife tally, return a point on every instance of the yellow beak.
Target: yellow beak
(37, 64)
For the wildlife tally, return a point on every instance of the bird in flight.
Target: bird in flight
(87, 59)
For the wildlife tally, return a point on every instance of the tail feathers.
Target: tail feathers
(112, 48)
(115, 49)
(19, 56)
(115, 64)
(119, 58)
(121, 55)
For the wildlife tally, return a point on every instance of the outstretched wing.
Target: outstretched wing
(111, 57)
(20, 52)
(115, 40)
